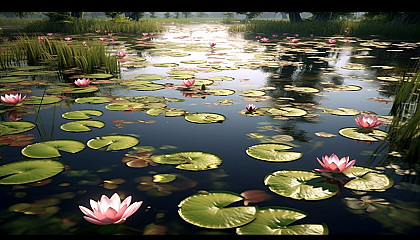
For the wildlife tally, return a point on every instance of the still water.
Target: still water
(270, 67)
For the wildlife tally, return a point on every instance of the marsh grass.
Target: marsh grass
(356, 28)
(88, 58)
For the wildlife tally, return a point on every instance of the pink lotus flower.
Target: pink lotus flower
(41, 39)
(82, 82)
(98, 31)
(188, 82)
(264, 40)
(250, 107)
(121, 54)
(68, 39)
(367, 121)
(102, 38)
(212, 44)
(332, 41)
(334, 164)
(295, 40)
(110, 211)
(12, 98)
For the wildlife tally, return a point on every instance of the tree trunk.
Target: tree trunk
(295, 17)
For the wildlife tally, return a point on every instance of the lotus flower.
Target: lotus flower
(295, 40)
(212, 44)
(82, 82)
(367, 122)
(110, 210)
(121, 54)
(265, 40)
(332, 41)
(12, 98)
(334, 164)
(188, 82)
(250, 107)
(68, 39)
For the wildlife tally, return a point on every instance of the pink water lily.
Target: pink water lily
(82, 82)
(188, 82)
(12, 98)
(334, 164)
(250, 107)
(110, 210)
(367, 121)
(212, 44)
(121, 54)
(265, 40)
(68, 39)
(332, 41)
(295, 40)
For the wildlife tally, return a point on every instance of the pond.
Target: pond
(170, 145)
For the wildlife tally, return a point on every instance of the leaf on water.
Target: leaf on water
(114, 142)
(50, 149)
(7, 128)
(189, 160)
(273, 152)
(82, 126)
(205, 118)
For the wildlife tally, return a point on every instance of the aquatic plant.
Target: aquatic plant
(110, 210)
(13, 98)
(250, 107)
(188, 82)
(82, 82)
(335, 164)
(367, 122)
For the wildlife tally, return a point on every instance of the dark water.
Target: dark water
(88, 169)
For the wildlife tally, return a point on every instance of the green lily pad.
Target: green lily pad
(277, 220)
(81, 114)
(168, 112)
(220, 92)
(367, 179)
(132, 106)
(75, 89)
(221, 78)
(82, 126)
(194, 61)
(27, 171)
(301, 89)
(253, 93)
(291, 112)
(147, 86)
(164, 178)
(7, 128)
(149, 77)
(37, 100)
(205, 118)
(93, 100)
(114, 142)
(165, 64)
(273, 152)
(210, 210)
(99, 76)
(12, 79)
(342, 111)
(49, 149)
(299, 184)
(191, 160)
(372, 135)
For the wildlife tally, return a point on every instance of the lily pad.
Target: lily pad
(50, 149)
(191, 160)
(7, 128)
(149, 77)
(372, 135)
(301, 89)
(253, 93)
(342, 111)
(367, 179)
(220, 92)
(114, 142)
(37, 100)
(210, 210)
(93, 100)
(205, 118)
(12, 79)
(277, 220)
(99, 76)
(81, 114)
(273, 152)
(82, 126)
(221, 78)
(66, 89)
(300, 184)
(168, 112)
(27, 171)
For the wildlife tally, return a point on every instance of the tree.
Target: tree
(250, 15)
(295, 17)
(113, 14)
(134, 15)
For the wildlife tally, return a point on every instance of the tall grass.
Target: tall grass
(84, 25)
(356, 28)
(87, 57)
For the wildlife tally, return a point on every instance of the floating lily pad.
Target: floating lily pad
(133, 106)
(165, 64)
(12, 79)
(253, 93)
(99, 76)
(371, 135)
(300, 184)
(221, 78)
(220, 92)
(50, 149)
(76, 89)
(7, 128)
(194, 61)
(210, 210)
(82, 126)
(27, 171)
(277, 220)
(273, 152)
(93, 100)
(342, 111)
(168, 112)
(149, 77)
(142, 85)
(205, 117)
(367, 179)
(114, 142)
(301, 89)
(81, 114)
(191, 160)
(37, 100)
(164, 177)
